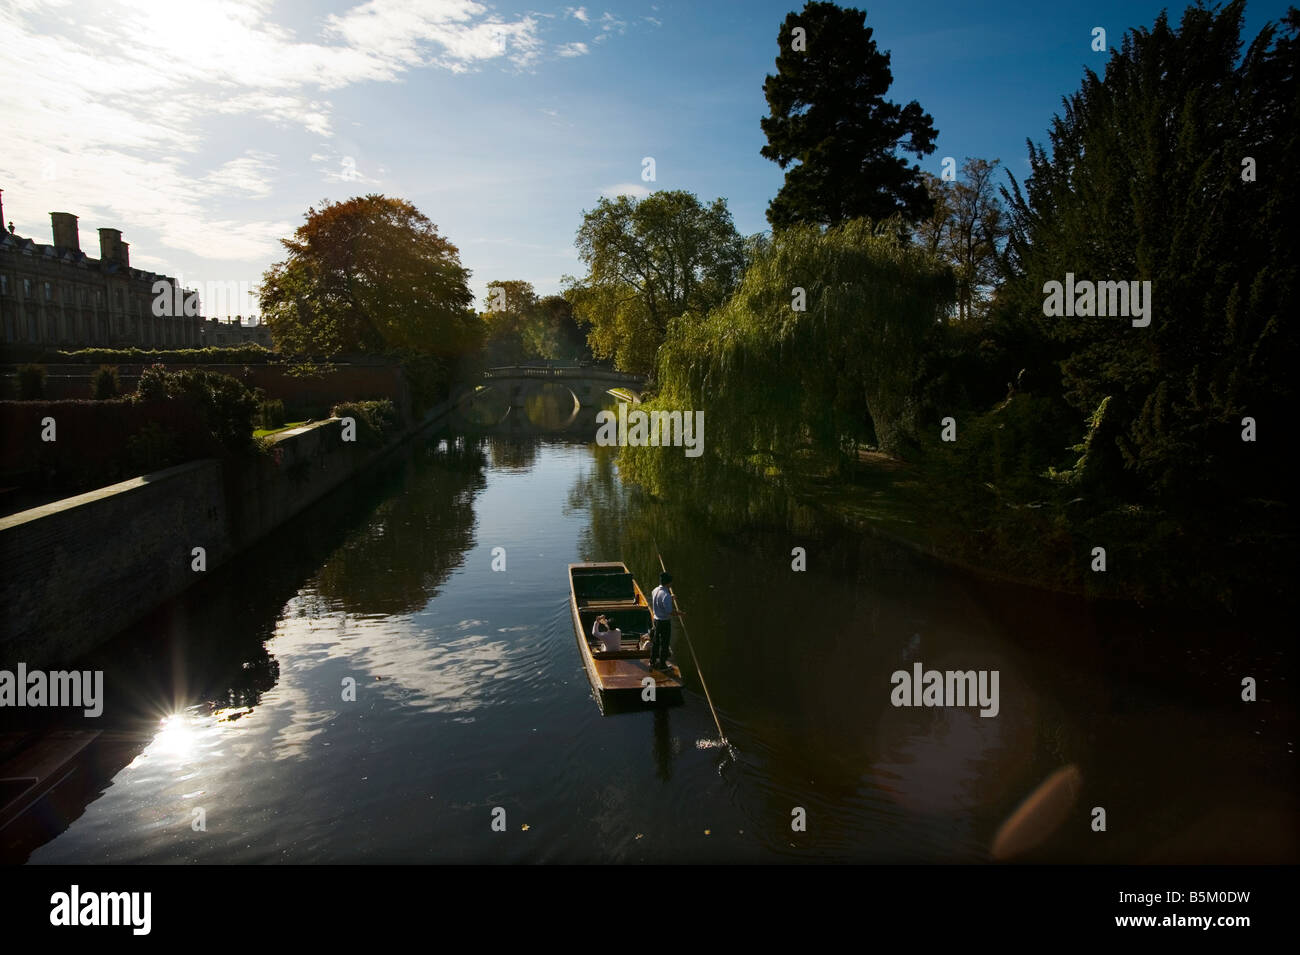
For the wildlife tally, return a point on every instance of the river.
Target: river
(236, 742)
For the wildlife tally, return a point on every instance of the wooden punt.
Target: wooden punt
(608, 588)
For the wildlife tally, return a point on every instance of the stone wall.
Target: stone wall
(74, 572)
(78, 571)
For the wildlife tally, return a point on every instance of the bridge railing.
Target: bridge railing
(535, 371)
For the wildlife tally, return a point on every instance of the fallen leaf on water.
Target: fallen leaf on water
(524, 827)
(638, 835)
(706, 832)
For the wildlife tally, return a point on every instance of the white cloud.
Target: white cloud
(633, 189)
(250, 175)
(578, 13)
(108, 110)
(572, 49)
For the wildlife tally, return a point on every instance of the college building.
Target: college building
(57, 296)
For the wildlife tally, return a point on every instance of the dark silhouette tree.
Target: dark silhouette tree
(1148, 179)
(829, 115)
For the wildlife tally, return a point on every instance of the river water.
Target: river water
(229, 738)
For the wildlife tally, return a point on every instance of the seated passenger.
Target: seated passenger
(611, 638)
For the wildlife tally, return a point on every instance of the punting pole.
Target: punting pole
(722, 737)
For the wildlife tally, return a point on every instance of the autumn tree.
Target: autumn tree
(650, 261)
(829, 116)
(370, 275)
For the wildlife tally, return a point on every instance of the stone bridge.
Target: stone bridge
(541, 398)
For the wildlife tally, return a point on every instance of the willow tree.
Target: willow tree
(816, 351)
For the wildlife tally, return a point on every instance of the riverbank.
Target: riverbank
(75, 572)
(897, 502)
(1149, 559)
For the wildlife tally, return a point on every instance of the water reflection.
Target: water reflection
(179, 685)
(467, 693)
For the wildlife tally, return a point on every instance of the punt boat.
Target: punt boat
(608, 588)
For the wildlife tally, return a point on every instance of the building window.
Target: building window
(49, 292)
(27, 288)
(4, 285)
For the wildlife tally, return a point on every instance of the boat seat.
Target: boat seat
(606, 602)
(605, 587)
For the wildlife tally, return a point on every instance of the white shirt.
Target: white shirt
(611, 639)
(662, 602)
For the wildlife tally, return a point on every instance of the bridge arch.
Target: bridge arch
(503, 398)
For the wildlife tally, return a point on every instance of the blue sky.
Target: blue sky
(204, 130)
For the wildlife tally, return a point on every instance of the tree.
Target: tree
(829, 114)
(786, 388)
(554, 332)
(967, 229)
(510, 304)
(1147, 179)
(650, 261)
(370, 275)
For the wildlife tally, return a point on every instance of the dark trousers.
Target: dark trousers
(659, 641)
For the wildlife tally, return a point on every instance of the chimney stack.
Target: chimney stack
(110, 245)
(124, 250)
(66, 236)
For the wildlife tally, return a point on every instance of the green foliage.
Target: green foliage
(429, 378)
(510, 305)
(1013, 449)
(777, 384)
(270, 414)
(31, 382)
(552, 332)
(828, 113)
(376, 420)
(104, 383)
(224, 405)
(651, 261)
(248, 354)
(1144, 182)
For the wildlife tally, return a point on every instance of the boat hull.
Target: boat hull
(625, 675)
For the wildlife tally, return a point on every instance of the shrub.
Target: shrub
(152, 385)
(31, 382)
(223, 403)
(376, 420)
(104, 383)
(270, 414)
